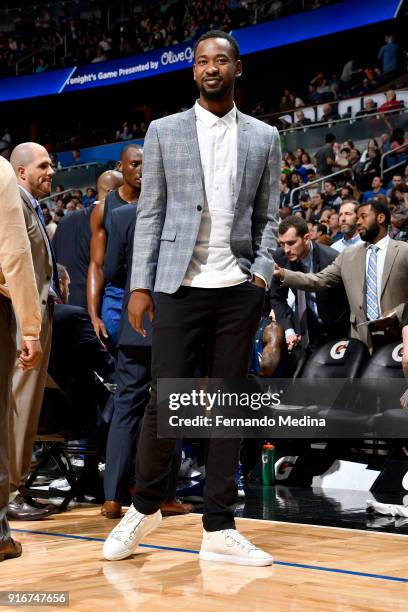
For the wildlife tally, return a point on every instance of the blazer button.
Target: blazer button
(199, 207)
(44, 302)
(48, 278)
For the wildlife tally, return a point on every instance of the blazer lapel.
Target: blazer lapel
(390, 256)
(40, 225)
(191, 141)
(243, 138)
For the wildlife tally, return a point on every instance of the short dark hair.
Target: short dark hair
(219, 34)
(378, 208)
(322, 228)
(131, 145)
(330, 138)
(298, 223)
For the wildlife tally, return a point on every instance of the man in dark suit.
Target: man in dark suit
(133, 377)
(71, 244)
(317, 317)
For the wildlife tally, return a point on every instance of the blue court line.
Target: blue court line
(319, 568)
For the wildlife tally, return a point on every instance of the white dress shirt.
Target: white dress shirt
(213, 264)
(381, 253)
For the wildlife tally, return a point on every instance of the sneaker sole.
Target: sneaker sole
(208, 556)
(128, 553)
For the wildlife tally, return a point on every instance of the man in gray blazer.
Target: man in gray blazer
(374, 275)
(204, 238)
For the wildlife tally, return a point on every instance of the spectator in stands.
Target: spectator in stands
(350, 73)
(371, 144)
(346, 193)
(377, 188)
(89, 197)
(301, 120)
(389, 57)
(325, 158)
(125, 134)
(342, 159)
(348, 226)
(318, 230)
(368, 170)
(399, 194)
(318, 206)
(333, 200)
(284, 198)
(395, 182)
(399, 224)
(392, 104)
(370, 107)
(334, 227)
(313, 96)
(328, 114)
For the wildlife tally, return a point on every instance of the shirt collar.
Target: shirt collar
(383, 243)
(30, 196)
(209, 119)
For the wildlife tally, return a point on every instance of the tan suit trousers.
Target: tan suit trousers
(26, 401)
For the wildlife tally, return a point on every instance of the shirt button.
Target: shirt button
(199, 207)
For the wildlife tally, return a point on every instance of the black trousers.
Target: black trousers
(224, 322)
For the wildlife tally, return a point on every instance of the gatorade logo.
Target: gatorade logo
(338, 350)
(397, 355)
(284, 466)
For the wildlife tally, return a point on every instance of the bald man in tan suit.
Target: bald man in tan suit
(32, 167)
(18, 298)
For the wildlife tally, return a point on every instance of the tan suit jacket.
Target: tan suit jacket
(17, 280)
(349, 268)
(40, 250)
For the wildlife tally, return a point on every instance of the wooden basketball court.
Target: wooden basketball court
(316, 568)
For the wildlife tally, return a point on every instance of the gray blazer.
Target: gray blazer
(172, 200)
(349, 268)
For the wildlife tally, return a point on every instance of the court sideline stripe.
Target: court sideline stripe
(195, 552)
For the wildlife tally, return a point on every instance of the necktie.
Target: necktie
(373, 310)
(55, 277)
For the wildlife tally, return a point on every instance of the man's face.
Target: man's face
(314, 233)
(329, 189)
(368, 223)
(215, 68)
(376, 184)
(344, 193)
(70, 207)
(294, 246)
(348, 219)
(131, 167)
(37, 175)
(396, 180)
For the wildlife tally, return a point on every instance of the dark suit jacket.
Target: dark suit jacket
(332, 304)
(118, 259)
(76, 356)
(71, 244)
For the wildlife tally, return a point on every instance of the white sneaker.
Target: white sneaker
(124, 539)
(230, 546)
(391, 509)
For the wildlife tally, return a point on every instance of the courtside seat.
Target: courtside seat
(61, 435)
(383, 385)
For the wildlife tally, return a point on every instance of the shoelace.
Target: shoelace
(239, 539)
(121, 531)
